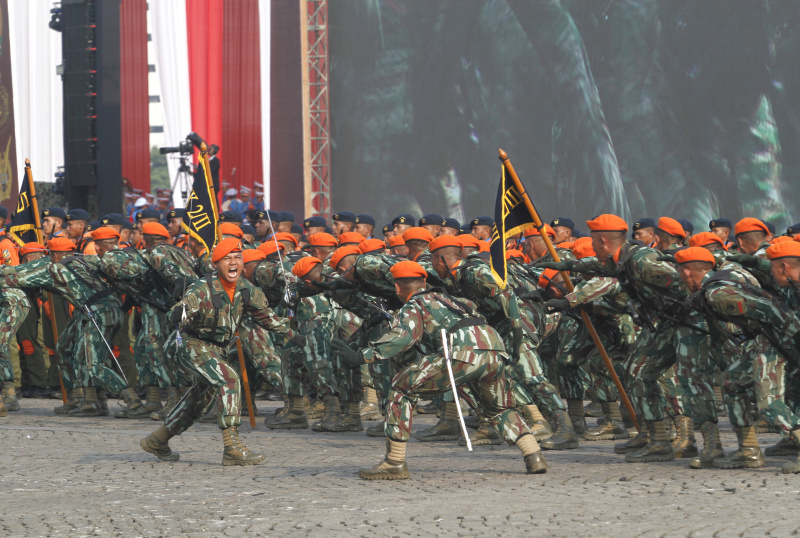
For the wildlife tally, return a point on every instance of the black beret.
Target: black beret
(646, 222)
(328, 230)
(404, 218)
(451, 223)
(230, 216)
(720, 223)
(793, 229)
(285, 216)
(176, 213)
(563, 221)
(387, 228)
(344, 216)
(148, 213)
(3, 212)
(314, 222)
(78, 214)
(482, 221)
(128, 225)
(769, 226)
(431, 218)
(577, 234)
(365, 219)
(56, 212)
(297, 229)
(114, 218)
(466, 229)
(247, 229)
(93, 225)
(687, 226)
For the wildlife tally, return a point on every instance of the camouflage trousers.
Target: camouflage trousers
(530, 384)
(84, 347)
(148, 350)
(762, 370)
(259, 350)
(480, 373)
(653, 354)
(215, 383)
(33, 362)
(348, 380)
(13, 311)
(315, 357)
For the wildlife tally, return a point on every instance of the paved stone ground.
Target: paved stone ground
(80, 477)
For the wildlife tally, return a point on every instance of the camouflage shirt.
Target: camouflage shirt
(473, 280)
(175, 269)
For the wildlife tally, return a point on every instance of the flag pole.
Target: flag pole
(37, 219)
(239, 351)
(568, 283)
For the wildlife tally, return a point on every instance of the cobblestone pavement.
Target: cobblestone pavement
(81, 477)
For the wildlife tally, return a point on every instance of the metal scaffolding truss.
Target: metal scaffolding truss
(318, 106)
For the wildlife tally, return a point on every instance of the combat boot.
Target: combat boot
(74, 400)
(484, 435)
(748, 456)
(534, 459)
(89, 407)
(151, 405)
(540, 428)
(332, 415)
(102, 401)
(640, 440)
(350, 420)
(684, 445)
(564, 436)
(280, 411)
(173, 397)
(393, 466)
(762, 426)
(784, 447)
(594, 410)
(3, 410)
(719, 401)
(370, 410)
(712, 447)
(576, 415)
(446, 429)
(658, 449)
(132, 403)
(157, 443)
(10, 396)
(612, 428)
(793, 467)
(316, 409)
(294, 418)
(235, 452)
(376, 430)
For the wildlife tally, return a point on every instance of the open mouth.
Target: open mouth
(233, 272)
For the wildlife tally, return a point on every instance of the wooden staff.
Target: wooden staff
(239, 351)
(38, 222)
(568, 283)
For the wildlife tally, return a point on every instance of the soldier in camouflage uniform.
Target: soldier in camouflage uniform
(208, 317)
(14, 306)
(477, 353)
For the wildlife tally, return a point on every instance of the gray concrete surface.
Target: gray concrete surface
(88, 477)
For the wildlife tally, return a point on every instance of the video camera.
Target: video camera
(184, 147)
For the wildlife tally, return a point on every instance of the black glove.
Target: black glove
(564, 265)
(556, 305)
(335, 284)
(299, 341)
(746, 260)
(516, 342)
(534, 296)
(666, 258)
(351, 357)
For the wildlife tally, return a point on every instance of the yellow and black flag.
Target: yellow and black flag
(510, 217)
(24, 221)
(201, 220)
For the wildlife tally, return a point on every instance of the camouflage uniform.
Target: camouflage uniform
(14, 306)
(208, 321)
(477, 355)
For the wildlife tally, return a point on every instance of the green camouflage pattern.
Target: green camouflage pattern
(14, 308)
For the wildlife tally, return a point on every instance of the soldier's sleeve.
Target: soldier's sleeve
(196, 297)
(507, 298)
(657, 273)
(732, 301)
(260, 312)
(592, 290)
(407, 330)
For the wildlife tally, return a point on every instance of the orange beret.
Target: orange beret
(750, 224)
(270, 247)
(780, 239)
(253, 255)
(154, 228)
(583, 250)
(229, 228)
(567, 244)
(285, 236)
(547, 229)
(31, 247)
(372, 245)
(322, 240)
(514, 253)
(467, 241)
(340, 253)
(397, 241)
(703, 239)
(417, 234)
(350, 237)
(484, 246)
(304, 265)
(547, 277)
(581, 241)
(409, 269)
(225, 247)
(672, 227)
(786, 249)
(109, 233)
(694, 254)
(443, 241)
(60, 244)
(607, 223)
